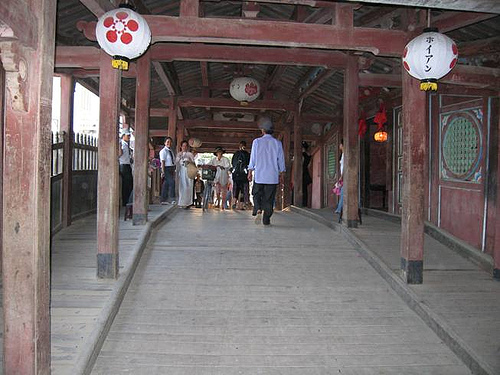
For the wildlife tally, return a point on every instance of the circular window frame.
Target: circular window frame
(466, 176)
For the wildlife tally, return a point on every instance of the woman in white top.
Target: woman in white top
(222, 177)
(183, 158)
(340, 205)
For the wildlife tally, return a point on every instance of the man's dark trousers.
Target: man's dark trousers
(168, 188)
(127, 182)
(263, 199)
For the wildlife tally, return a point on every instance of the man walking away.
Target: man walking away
(167, 172)
(268, 162)
(240, 161)
(125, 159)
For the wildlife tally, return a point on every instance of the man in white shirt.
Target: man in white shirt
(125, 160)
(268, 162)
(167, 159)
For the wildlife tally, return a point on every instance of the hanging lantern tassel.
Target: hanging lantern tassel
(120, 62)
(429, 57)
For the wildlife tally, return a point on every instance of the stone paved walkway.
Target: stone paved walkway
(216, 294)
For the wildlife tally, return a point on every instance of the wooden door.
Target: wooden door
(458, 166)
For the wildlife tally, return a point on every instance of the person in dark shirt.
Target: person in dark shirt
(239, 162)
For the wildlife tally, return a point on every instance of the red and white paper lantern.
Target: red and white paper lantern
(123, 34)
(244, 89)
(429, 57)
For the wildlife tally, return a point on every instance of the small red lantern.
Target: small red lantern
(123, 34)
(380, 119)
(380, 136)
(429, 57)
(244, 89)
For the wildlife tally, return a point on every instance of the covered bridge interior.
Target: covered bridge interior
(322, 65)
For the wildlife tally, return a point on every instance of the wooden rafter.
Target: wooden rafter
(487, 6)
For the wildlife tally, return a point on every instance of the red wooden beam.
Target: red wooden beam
(190, 8)
(474, 76)
(248, 54)
(284, 34)
(379, 80)
(77, 57)
(98, 7)
(268, 104)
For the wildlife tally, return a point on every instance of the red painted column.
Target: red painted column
(141, 151)
(26, 191)
(67, 103)
(297, 161)
(413, 189)
(108, 176)
(351, 143)
(172, 120)
(496, 248)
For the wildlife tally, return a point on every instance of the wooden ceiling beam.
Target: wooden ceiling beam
(268, 104)
(98, 7)
(248, 54)
(479, 47)
(269, 33)
(318, 81)
(486, 6)
(450, 21)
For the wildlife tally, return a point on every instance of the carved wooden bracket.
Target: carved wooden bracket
(88, 29)
(16, 67)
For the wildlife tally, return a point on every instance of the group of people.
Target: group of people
(264, 166)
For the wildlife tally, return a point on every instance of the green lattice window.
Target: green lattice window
(461, 147)
(331, 159)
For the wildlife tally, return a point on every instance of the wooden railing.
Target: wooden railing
(80, 185)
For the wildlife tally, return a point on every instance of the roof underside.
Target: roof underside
(316, 89)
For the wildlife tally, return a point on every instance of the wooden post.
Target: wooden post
(141, 151)
(297, 161)
(496, 247)
(108, 176)
(351, 143)
(67, 105)
(286, 150)
(172, 120)
(413, 190)
(26, 183)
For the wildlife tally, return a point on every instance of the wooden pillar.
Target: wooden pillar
(351, 143)
(287, 196)
(496, 247)
(26, 187)
(108, 176)
(67, 105)
(297, 161)
(413, 190)
(179, 138)
(172, 120)
(141, 151)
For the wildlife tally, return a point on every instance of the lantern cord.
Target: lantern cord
(429, 17)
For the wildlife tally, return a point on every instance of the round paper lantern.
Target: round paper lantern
(317, 128)
(123, 34)
(429, 57)
(194, 142)
(244, 89)
(380, 136)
